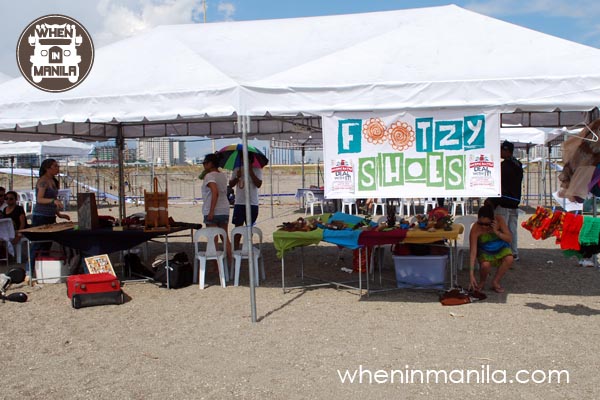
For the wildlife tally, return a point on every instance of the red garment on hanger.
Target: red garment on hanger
(571, 228)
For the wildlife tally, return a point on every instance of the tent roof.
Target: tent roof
(61, 147)
(425, 58)
(525, 135)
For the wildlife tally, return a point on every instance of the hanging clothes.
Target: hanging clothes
(570, 235)
(590, 231)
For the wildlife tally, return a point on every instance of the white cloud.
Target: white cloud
(122, 19)
(227, 9)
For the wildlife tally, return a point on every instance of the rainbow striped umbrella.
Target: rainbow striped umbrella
(231, 157)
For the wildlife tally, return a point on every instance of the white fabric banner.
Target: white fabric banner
(441, 153)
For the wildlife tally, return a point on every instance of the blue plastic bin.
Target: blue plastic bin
(420, 272)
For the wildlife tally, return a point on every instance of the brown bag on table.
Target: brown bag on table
(157, 209)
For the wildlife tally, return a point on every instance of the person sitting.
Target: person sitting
(489, 243)
(16, 213)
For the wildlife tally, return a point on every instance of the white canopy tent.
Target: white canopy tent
(525, 135)
(192, 80)
(424, 58)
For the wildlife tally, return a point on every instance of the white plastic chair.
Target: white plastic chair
(25, 202)
(211, 253)
(242, 254)
(311, 201)
(379, 250)
(7, 233)
(19, 248)
(406, 203)
(350, 204)
(463, 247)
(458, 202)
(429, 202)
(379, 203)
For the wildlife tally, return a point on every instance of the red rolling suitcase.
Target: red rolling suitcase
(94, 290)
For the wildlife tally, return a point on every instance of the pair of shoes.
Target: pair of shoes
(516, 257)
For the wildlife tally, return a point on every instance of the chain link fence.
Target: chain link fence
(282, 182)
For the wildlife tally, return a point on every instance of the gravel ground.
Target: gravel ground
(193, 344)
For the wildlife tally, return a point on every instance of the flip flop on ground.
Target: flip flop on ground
(497, 289)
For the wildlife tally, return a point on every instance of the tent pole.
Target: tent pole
(77, 180)
(303, 179)
(244, 124)
(318, 172)
(549, 174)
(120, 149)
(543, 178)
(528, 172)
(271, 176)
(12, 170)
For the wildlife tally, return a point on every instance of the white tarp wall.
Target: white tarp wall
(413, 154)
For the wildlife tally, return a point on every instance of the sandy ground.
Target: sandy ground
(201, 344)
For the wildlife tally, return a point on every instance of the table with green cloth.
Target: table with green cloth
(285, 241)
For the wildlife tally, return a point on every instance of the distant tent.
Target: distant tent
(52, 148)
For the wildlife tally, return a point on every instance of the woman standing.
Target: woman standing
(214, 194)
(16, 213)
(47, 206)
(489, 243)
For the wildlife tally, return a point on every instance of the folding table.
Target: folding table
(362, 239)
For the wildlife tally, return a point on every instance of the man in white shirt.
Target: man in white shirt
(239, 207)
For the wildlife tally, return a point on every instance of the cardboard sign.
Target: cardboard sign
(99, 264)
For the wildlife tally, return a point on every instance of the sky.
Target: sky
(112, 20)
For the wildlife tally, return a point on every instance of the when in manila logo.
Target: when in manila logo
(55, 53)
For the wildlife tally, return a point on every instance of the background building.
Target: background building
(107, 154)
(161, 151)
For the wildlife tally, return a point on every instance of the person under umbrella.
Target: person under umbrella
(232, 159)
(239, 207)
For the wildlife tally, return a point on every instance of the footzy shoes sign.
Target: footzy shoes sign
(419, 154)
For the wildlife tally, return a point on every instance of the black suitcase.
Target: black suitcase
(180, 270)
